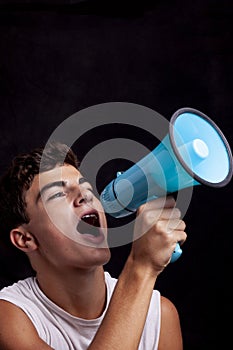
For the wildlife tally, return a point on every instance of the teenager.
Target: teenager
(49, 212)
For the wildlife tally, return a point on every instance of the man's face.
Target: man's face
(66, 219)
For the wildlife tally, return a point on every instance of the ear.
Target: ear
(23, 239)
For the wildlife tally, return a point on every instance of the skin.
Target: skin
(64, 259)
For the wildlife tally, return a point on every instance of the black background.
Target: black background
(58, 57)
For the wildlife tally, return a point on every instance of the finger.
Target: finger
(179, 236)
(170, 214)
(178, 225)
(176, 230)
(159, 203)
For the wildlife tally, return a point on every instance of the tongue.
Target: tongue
(85, 228)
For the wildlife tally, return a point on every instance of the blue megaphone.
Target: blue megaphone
(194, 152)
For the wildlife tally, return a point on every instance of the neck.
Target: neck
(82, 294)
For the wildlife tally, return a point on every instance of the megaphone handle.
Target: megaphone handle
(177, 253)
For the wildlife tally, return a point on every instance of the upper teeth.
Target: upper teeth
(91, 219)
(89, 216)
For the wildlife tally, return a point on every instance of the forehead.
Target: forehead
(60, 173)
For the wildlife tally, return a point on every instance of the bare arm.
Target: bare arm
(124, 321)
(151, 252)
(170, 333)
(17, 331)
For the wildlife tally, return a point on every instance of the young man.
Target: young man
(72, 303)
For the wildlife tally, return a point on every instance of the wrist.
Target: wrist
(140, 273)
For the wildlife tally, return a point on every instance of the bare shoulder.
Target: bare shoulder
(170, 333)
(168, 309)
(17, 330)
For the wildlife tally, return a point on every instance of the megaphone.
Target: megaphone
(194, 152)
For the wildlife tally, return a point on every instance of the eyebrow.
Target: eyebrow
(56, 184)
(48, 186)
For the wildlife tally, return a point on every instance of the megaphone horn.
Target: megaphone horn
(194, 152)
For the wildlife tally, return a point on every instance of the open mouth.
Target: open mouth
(89, 224)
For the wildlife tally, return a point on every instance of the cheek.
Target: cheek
(59, 218)
(65, 221)
(43, 225)
(51, 241)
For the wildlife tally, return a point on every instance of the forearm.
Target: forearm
(125, 318)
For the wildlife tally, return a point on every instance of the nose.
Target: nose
(85, 196)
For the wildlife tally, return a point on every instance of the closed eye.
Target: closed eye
(57, 195)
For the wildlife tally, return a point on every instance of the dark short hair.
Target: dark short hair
(18, 179)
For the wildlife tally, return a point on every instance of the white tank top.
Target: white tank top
(63, 331)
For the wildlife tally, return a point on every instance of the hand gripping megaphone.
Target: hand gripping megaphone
(194, 152)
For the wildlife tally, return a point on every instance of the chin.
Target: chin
(101, 255)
